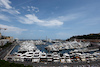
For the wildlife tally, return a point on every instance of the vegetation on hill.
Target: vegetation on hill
(89, 36)
(7, 64)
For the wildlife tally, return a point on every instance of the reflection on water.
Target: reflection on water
(42, 48)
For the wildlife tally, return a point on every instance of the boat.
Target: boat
(56, 57)
(28, 56)
(67, 57)
(17, 57)
(49, 57)
(83, 58)
(63, 59)
(43, 57)
(36, 56)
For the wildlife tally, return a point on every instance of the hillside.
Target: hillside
(89, 36)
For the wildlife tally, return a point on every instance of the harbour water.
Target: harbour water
(15, 49)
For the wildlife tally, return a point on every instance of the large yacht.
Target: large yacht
(17, 57)
(28, 57)
(56, 57)
(43, 57)
(63, 59)
(36, 56)
(67, 57)
(49, 57)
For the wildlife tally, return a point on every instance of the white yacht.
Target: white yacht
(36, 56)
(83, 58)
(92, 58)
(49, 57)
(43, 57)
(56, 57)
(62, 59)
(29, 56)
(10, 58)
(67, 57)
(17, 57)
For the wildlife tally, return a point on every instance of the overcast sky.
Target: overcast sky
(36, 19)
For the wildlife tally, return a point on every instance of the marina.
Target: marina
(28, 51)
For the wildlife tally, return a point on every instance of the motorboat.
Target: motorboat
(67, 57)
(22, 59)
(10, 58)
(28, 57)
(43, 57)
(17, 57)
(49, 57)
(63, 59)
(36, 56)
(92, 58)
(83, 59)
(56, 57)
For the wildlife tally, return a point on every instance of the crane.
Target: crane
(2, 29)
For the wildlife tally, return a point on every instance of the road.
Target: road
(5, 51)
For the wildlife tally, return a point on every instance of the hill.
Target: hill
(88, 36)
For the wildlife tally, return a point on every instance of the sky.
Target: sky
(56, 19)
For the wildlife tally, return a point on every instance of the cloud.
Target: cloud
(34, 9)
(31, 19)
(12, 29)
(3, 17)
(31, 9)
(70, 17)
(50, 23)
(11, 11)
(5, 3)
